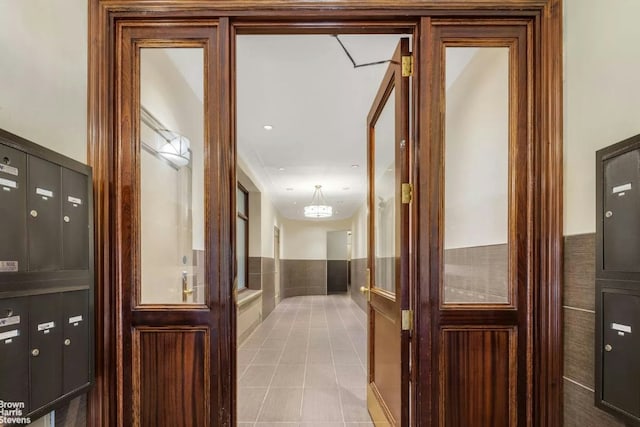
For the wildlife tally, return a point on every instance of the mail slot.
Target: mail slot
(621, 351)
(75, 230)
(14, 342)
(13, 210)
(44, 215)
(621, 205)
(45, 349)
(75, 340)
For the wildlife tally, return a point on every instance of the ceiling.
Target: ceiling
(306, 88)
(317, 102)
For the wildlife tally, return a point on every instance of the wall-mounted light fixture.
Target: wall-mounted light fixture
(174, 147)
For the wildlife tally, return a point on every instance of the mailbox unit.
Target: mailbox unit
(617, 346)
(46, 276)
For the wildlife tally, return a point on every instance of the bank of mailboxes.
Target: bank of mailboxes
(46, 277)
(617, 346)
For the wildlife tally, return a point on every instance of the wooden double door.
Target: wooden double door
(463, 302)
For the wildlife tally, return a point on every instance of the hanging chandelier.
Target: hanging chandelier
(318, 207)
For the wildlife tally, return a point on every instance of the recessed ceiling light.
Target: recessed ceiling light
(267, 127)
(295, 203)
(289, 189)
(280, 169)
(340, 202)
(346, 188)
(355, 166)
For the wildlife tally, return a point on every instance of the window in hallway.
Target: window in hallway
(242, 236)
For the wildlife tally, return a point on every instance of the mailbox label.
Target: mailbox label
(9, 170)
(46, 326)
(7, 321)
(8, 266)
(9, 334)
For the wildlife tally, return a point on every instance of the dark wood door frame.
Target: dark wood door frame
(317, 16)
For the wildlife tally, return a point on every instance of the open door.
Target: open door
(388, 258)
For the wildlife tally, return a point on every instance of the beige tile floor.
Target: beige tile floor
(305, 366)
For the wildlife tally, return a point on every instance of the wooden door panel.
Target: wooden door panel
(171, 354)
(388, 256)
(387, 366)
(172, 371)
(481, 283)
(479, 367)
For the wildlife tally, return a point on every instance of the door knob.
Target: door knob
(35, 352)
(364, 290)
(608, 347)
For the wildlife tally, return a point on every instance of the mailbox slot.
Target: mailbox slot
(13, 210)
(75, 340)
(45, 352)
(14, 347)
(75, 230)
(621, 206)
(621, 351)
(44, 215)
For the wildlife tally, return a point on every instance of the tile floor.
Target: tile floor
(305, 366)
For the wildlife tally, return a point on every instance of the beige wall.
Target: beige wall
(476, 150)
(308, 239)
(359, 235)
(602, 95)
(168, 97)
(160, 263)
(43, 73)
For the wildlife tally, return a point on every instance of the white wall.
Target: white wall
(359, 237)
(43, 73)
(337, 245)
(308, 239)
(476, 150)
(602, 95)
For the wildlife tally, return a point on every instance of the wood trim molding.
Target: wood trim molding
(548, 358)
(308, 16)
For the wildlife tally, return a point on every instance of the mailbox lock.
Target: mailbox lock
(35, 352)
(608, 214)
(66, 219)
(34, 213)
(9, 312)
(608, 347)
(67, 342)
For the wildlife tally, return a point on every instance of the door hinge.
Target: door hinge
(407, 66)
(407, 192)
(407, 320)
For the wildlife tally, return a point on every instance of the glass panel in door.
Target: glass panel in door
(172, 175)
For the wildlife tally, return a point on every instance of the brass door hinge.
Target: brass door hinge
(407, 193)
(407, 320)
(407, 66)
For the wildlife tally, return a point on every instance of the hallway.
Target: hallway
(305, 365)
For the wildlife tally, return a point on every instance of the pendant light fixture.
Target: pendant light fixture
(318, 207)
